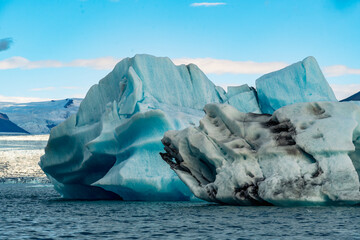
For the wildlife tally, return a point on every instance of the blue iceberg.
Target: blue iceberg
(239, 154)
(110, 148)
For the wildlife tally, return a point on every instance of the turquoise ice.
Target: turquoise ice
(300, 82)
(110, 148)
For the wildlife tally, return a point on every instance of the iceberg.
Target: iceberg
(300, 82)
(303, 154)
(110, 147)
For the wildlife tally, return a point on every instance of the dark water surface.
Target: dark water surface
(29, 211)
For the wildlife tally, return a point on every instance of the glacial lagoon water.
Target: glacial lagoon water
(36, 211)
(30, 211)
(19, 157)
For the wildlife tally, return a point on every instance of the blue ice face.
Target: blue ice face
(299, 82)
(112, 144)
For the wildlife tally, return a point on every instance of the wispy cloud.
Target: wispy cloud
(207, 4)
(343, 91)
(221, 66)
(339, 70)
(5, 43)
(104, 63)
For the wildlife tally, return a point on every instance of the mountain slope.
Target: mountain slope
(355, 97)
(6, 126)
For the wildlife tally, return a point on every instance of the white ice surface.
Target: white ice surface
(306, 153)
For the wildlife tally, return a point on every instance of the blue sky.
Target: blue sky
(57, 49)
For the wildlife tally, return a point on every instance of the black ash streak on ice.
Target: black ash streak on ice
(223, 126)
(283, 134)
(292, 154)
(36, 212)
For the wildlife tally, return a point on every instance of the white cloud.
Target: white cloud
(219, 66)
(22, 99)
(104, 63)
(43, 64)
(343, 91)
(207, 4)
(13, 62)
(339, 70)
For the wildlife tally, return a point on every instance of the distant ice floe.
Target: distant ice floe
(19, 157)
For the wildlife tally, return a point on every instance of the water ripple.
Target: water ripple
(29, 212)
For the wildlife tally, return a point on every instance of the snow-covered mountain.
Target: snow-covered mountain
(40, 117)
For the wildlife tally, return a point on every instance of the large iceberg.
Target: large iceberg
(305, 153)
(110, 148)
